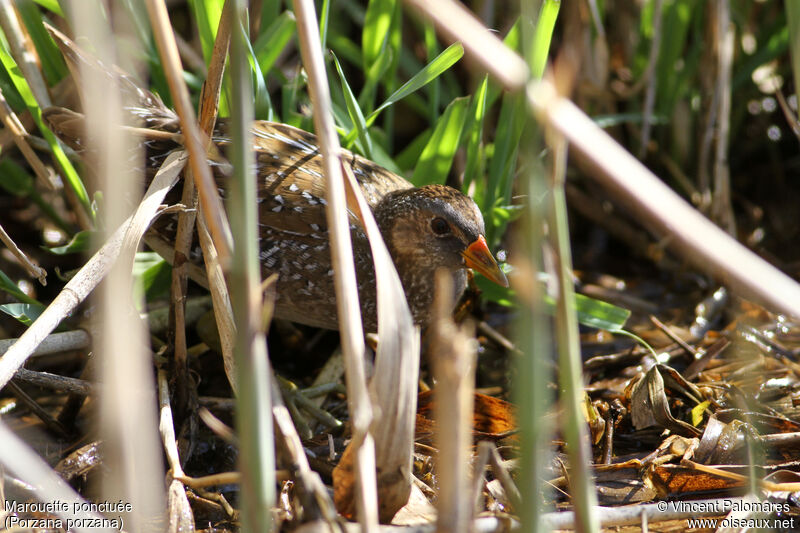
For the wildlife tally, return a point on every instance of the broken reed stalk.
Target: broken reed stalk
(179, 511)
(254, 405)
(344, 270)
(453, 354)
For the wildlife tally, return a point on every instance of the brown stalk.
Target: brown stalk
(342, 259)
(33, 269)
(186, 223)
(19, 135)
(195, 142)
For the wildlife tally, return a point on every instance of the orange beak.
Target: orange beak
(480, 259)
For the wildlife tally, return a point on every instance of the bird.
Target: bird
(424, 228)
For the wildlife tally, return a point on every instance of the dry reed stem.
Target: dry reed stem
(128, 400)
(221, 300)
(344, 270)
(193, 138)
(166, 427)
(179, 509)
(209, 105)
(45, 380)
(19, 135)
(393, 387)
(453, 350)
(694, 237)
(90, 275)
(33, 269)
(24, 53)
(57, 342)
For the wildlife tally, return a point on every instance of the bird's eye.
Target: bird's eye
(440, 226)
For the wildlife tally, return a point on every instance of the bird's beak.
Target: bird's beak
(480, 259)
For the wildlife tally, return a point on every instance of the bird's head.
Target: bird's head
(436, 226)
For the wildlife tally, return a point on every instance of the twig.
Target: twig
(57, 342)
(33, 269)
(55, 382)
(671, 334)
(17, 131)
(51, 423)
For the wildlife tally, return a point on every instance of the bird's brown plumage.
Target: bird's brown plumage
(425, 229)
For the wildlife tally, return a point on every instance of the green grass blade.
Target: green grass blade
(433, 89)
(6, 285)
(324, 18)
(377, 21)
(206, 15)
(24, 90)
(474, 134)
(80, 243)
(503, 163)
(430, 72)
(263, 103)
(542, 37)
(273, 40)
(53, 65)
(51, 5)
(437, 157)
(354, 111)
(25, 313)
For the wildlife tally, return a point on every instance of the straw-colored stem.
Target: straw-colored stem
(343, 266)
